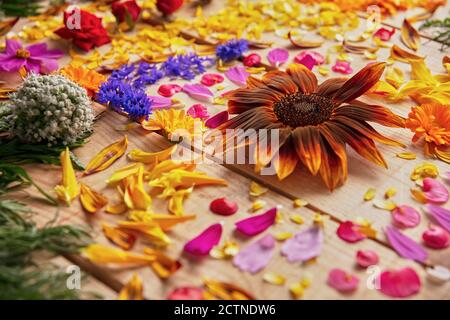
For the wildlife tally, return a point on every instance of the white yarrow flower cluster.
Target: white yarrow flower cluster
(51, 109)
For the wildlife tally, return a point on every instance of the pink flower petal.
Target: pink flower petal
(399, 283)
(277, 56)
(198, 111)
(255, 256)
(186, 293)
(316, 56)
(210, 79)
(366, 258)
(307, 61)
(348, 231)
(441, 215)
(252, 60)
(257, 224)
(405, 246)
(303, 246)
(217, 120)
(446, 176)
(160, 102)
(342, 281)
(343, 67)
(12, 46)
(198, 92)
(168, 90)
(406, 216)
(238, 75)
(384, 34)
(205, 241)
(436, 237)
(435, 191)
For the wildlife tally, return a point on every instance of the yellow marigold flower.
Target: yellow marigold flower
(431, 123)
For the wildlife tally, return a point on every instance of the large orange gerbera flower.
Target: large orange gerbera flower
(88, 79)
(431, 123)
(315, 121)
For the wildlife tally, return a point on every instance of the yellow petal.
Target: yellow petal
(226, 291)
(281, 236)
(390, 193)
(256, 189)
(297, 291)
(119, 237)
(296, 218)
(151, 157)
(69, 188)
(406, 155)
(274, 278)
(91, 200)
(418, 195)
(135, 196)
(123, 173)
(107, 156)
(298, 203)
(163, 266)
(410, 36)
(226, 251)
(104, 255)
(151, 230)
(258, 204)
(117, 208)
(395, 77)
(370, 194)
(388, 205)
(133, 290)
(165, 221)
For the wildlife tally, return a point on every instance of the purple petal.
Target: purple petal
(33, 66)
(238, 75)
(256, 255)
(405, 246)
(43, 65)
(12, 46)
(308, 61)
(159, 102)
(198, 91)
(441, 215)
(11, 64)
(435, 191)
(277, 56)
(217, 120)
(304, 246)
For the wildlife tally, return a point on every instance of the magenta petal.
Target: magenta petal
(307, 61)
(435, 191)
(210, 79)
(40, 50)
(257, 224)
(205, 241)
(198, 92)
(42, 65)
(198, 111)
(168, 90)
(405, 246)
(316, 56)
(217, 120)
(343, 67)
(406, 216)
(348, 231)
(11, 64)
(399, 283)
(303, 246)
(238, 75)
(256, 255)
(441, 215)
(366, 258)
(342, 281)
(160, 102)
(277, 56)
(12, 46)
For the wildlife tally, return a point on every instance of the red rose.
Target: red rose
(120, 9)
(84, 28)
(168, 6)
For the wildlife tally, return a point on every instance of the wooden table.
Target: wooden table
(345, 203)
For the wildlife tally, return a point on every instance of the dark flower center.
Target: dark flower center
(300, 110)
(22, 53)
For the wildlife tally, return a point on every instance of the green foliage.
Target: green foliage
(19, 8)
(442, 30)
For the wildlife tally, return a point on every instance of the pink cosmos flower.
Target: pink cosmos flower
(36, 57)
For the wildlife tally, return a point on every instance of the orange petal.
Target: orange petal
(399, 54)
(285, 160)
(107, 156)
(357, 85)
(307, 145)
(409, 35)
(104, 255)
(304, 44)
(151, 230)
(165, 221)
(163, 266)
(226, 291)
(119, 237)
(151, 157)
(303, 77)
(133, 290)
(91, 200)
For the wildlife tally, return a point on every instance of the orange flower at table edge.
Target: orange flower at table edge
(315, 121)
(88, 79)
(431, 123)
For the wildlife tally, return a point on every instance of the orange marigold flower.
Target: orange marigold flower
(431, 124)
(315, 122)
(88, 79)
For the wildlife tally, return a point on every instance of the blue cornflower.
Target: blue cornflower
(232, 50)
(124, 97)
(185, 66)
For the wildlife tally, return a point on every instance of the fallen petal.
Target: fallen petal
(400, 283)
(198, 92)
(366, 258)
(238, 75)
(277, 56)
(91, 200)
(436, 237)
(255, 256)
(198, 111)
(257, 224)
(204, 242)
(349, 231)
(342, 281)
(168, 90)
(435, 191)
(405, 246)
(217, 120)
(107, 156)
(405, 216)
(303, 246)
(441, 215)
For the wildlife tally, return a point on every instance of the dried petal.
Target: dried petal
(132, 290)
(238, 75)
(405, 246)
(257, 190)
(91, 200)
(350, 232)
(343, 67)
(366, 258)
(296, 218)
(370, 194)
(252, 60)
(205, 241)
(281, 236)
(305, 245)
(277, 57)
(257, 224)
(104, 255)
(405, 216)
(163, 266)
(304, 44)
(69, 189)
(435, 191)
(424, 170)
(400, 283)
(150, 230)
(316, 57)
(390, 193)
(107, 156)
(298, 203)
(384, 34)
(217, 120)
(135, 196)
(198, 92)
(308, 61)
(406, 155)
(409, 35)
(223, 207)
(438, 274)
(210, 79)
(274, 278)
(123, 173)
(198, 111)
(387, 205)
(119, 237)
(399, 54)
(441, 215)
(255, 256)
(168, 90)
(394, 76)
(436, 237)
(342, 281)
(258, 204)
(151, 157)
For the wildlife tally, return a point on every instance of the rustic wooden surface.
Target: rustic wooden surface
(345, 203)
